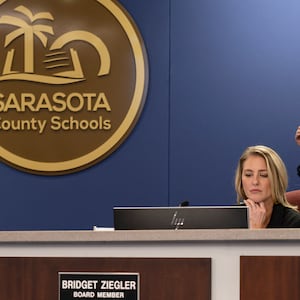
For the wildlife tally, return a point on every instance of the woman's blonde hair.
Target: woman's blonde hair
(276, 169)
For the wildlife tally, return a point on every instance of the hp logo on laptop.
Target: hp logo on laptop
(177, 221)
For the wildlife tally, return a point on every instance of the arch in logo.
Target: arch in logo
(73, 85)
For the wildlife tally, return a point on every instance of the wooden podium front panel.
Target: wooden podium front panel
(269, 277)
(26, 278)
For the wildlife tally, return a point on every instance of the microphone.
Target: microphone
(184, 203)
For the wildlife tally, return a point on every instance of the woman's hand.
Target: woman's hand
(258, 217)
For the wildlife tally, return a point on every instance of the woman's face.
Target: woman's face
(255, 180)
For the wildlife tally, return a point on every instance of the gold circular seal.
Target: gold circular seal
(73, 82)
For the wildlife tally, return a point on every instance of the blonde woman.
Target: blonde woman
(261, 181)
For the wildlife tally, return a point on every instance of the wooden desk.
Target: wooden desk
(270, 277)
(224, 247)
(35, 278)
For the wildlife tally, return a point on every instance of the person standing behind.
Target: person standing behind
(260, 182)
(297, 136)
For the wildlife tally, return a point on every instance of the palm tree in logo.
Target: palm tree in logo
(29, 30)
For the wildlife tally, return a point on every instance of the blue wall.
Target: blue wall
(223, 75)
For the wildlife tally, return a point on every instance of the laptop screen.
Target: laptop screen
(190, 217)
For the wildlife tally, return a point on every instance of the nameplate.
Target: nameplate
(82, 285)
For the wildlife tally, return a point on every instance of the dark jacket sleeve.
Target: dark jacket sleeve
(284, 217)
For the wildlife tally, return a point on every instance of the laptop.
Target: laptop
(180, 217)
